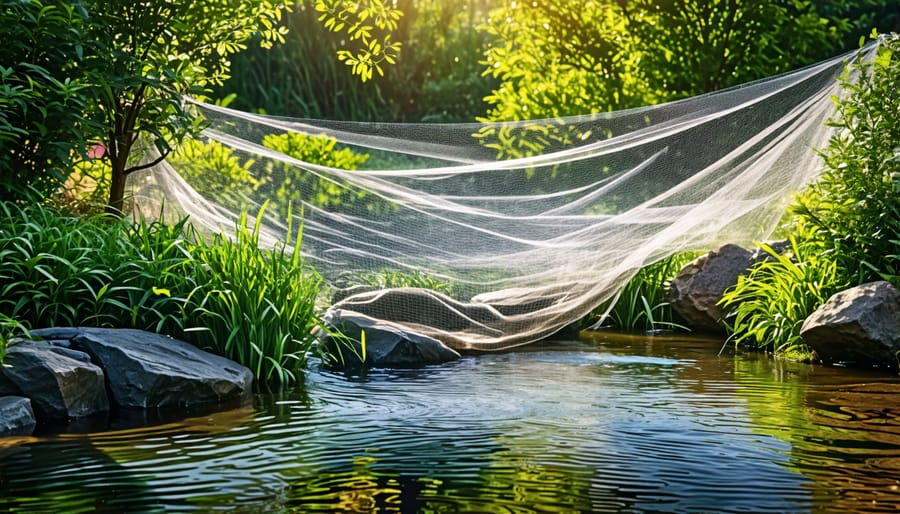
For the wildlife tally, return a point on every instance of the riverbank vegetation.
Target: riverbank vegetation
(844, 229)
(84, 85)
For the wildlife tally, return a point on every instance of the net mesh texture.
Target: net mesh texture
(513, 248)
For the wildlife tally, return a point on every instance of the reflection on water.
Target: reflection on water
(611, 424)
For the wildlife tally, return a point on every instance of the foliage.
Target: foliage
(770, 303)
(370, 22)
(642, 304)
(63, 271)
(151, 54)
(44, 100)
(252, 305)
(117, 72)
(855, 205)
(558, 58)
(226, 295)
(213, 168)
(692, 47)
(293, 184)
(295, 78)
(437, 77)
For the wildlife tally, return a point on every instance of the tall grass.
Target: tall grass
(8, 329)
(642, 304)
(226, 294)
(254, 306)
(771, 302)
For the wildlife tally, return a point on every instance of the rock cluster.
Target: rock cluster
(74, 373)
(860, 325)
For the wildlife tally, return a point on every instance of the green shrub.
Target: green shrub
(855, 205)
(292, 184)
(771, 302)
(44, 98)
(212, 169)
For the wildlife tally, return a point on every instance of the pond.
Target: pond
(608, 424)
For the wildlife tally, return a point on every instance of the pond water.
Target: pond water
(609, 424)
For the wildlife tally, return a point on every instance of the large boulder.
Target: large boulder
(696, 291)
(16, 416)
(859, 325)
(387, 345)
(148, 370)
(61, 383)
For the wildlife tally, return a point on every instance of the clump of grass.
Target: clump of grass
(63, 271)
(770, 303)
(395, 279)
(8, 329)
(642, 304)
(252, 305)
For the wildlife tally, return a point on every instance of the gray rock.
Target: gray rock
(860, 325)
(16, 416)
(149, 370)
(387, 345)
(699, 286)
(59, 386)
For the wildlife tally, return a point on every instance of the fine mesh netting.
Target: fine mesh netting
(520, 228)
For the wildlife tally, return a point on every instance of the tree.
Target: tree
(44, 97)
(118, 72)
(152, 54)
(565, 57)
(156, 52)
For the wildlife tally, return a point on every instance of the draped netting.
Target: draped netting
(533, 240)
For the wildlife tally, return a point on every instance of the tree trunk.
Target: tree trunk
(116, 190)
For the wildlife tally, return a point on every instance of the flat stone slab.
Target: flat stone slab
(148, 370)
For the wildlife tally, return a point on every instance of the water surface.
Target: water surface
(610, 424)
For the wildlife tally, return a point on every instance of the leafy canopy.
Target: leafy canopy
(567, 57)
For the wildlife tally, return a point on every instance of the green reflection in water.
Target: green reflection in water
(842, 425)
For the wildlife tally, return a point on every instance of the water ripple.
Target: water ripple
(661, 425)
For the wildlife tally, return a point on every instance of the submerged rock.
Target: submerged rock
(859, 325)
(387, 345)
(16, 416)
(698, 288)
(61, 383)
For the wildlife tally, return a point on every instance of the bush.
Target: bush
(43, 95)
(855, 206)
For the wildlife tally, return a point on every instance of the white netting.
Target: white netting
(527, 244)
